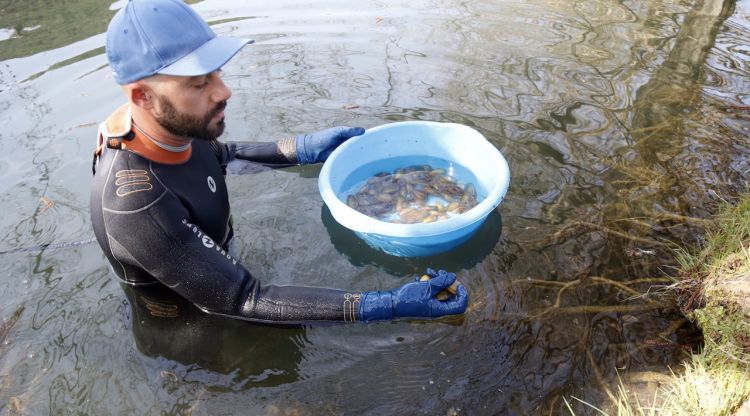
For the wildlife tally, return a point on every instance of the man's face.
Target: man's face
(188, 125)
(192, 106)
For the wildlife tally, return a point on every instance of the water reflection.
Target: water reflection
(463, 257)
(167, 327)
(621, 122)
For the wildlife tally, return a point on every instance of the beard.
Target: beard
(187, 125)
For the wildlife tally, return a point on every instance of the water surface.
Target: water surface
(624, 124)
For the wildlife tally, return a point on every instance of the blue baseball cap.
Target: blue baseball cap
(149, 37)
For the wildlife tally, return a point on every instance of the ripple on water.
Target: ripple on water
(553, 84)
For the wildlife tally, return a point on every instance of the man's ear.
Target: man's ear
(141, 95)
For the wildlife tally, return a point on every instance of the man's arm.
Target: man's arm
(303, 149)
(179, 255)
(272, 154)
(182, 257)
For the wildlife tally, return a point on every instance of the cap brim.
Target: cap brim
(211, 56)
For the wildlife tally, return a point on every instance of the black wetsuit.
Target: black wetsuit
(169, 224)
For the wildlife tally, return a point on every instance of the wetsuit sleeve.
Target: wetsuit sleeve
(281, 153)
(182, 257)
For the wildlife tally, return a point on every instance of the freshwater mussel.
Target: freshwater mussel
(414, 194)
(447, 292)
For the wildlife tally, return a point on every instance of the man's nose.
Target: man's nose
(221, 91)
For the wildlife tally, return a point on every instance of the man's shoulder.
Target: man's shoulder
(130, 183)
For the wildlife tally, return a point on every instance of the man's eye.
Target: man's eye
(201, 84)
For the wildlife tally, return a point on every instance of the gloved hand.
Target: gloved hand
(415, 299)
(316, 147)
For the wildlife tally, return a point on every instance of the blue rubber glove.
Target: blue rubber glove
(316, 147)
(415, 299)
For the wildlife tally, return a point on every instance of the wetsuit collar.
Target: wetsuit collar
(173, 149)
(119, 127)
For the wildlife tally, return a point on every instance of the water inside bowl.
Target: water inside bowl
(358, 178)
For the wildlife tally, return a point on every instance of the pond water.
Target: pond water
(624, 124)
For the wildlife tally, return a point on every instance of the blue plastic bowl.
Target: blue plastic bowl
(458, 148)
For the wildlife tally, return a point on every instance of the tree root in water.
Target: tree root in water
(672, 328)
(570, 229)
(668, 216)
(597, 280)
(604, 308)
(599, 377)
(634, 377)
(649, 377)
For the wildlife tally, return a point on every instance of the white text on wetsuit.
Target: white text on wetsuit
(207, 241)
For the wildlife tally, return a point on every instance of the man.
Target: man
(159, 203)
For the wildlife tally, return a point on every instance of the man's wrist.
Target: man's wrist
(288, 148)
(300, 146)
(376, 306)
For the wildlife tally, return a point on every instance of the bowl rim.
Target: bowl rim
(359, 222)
